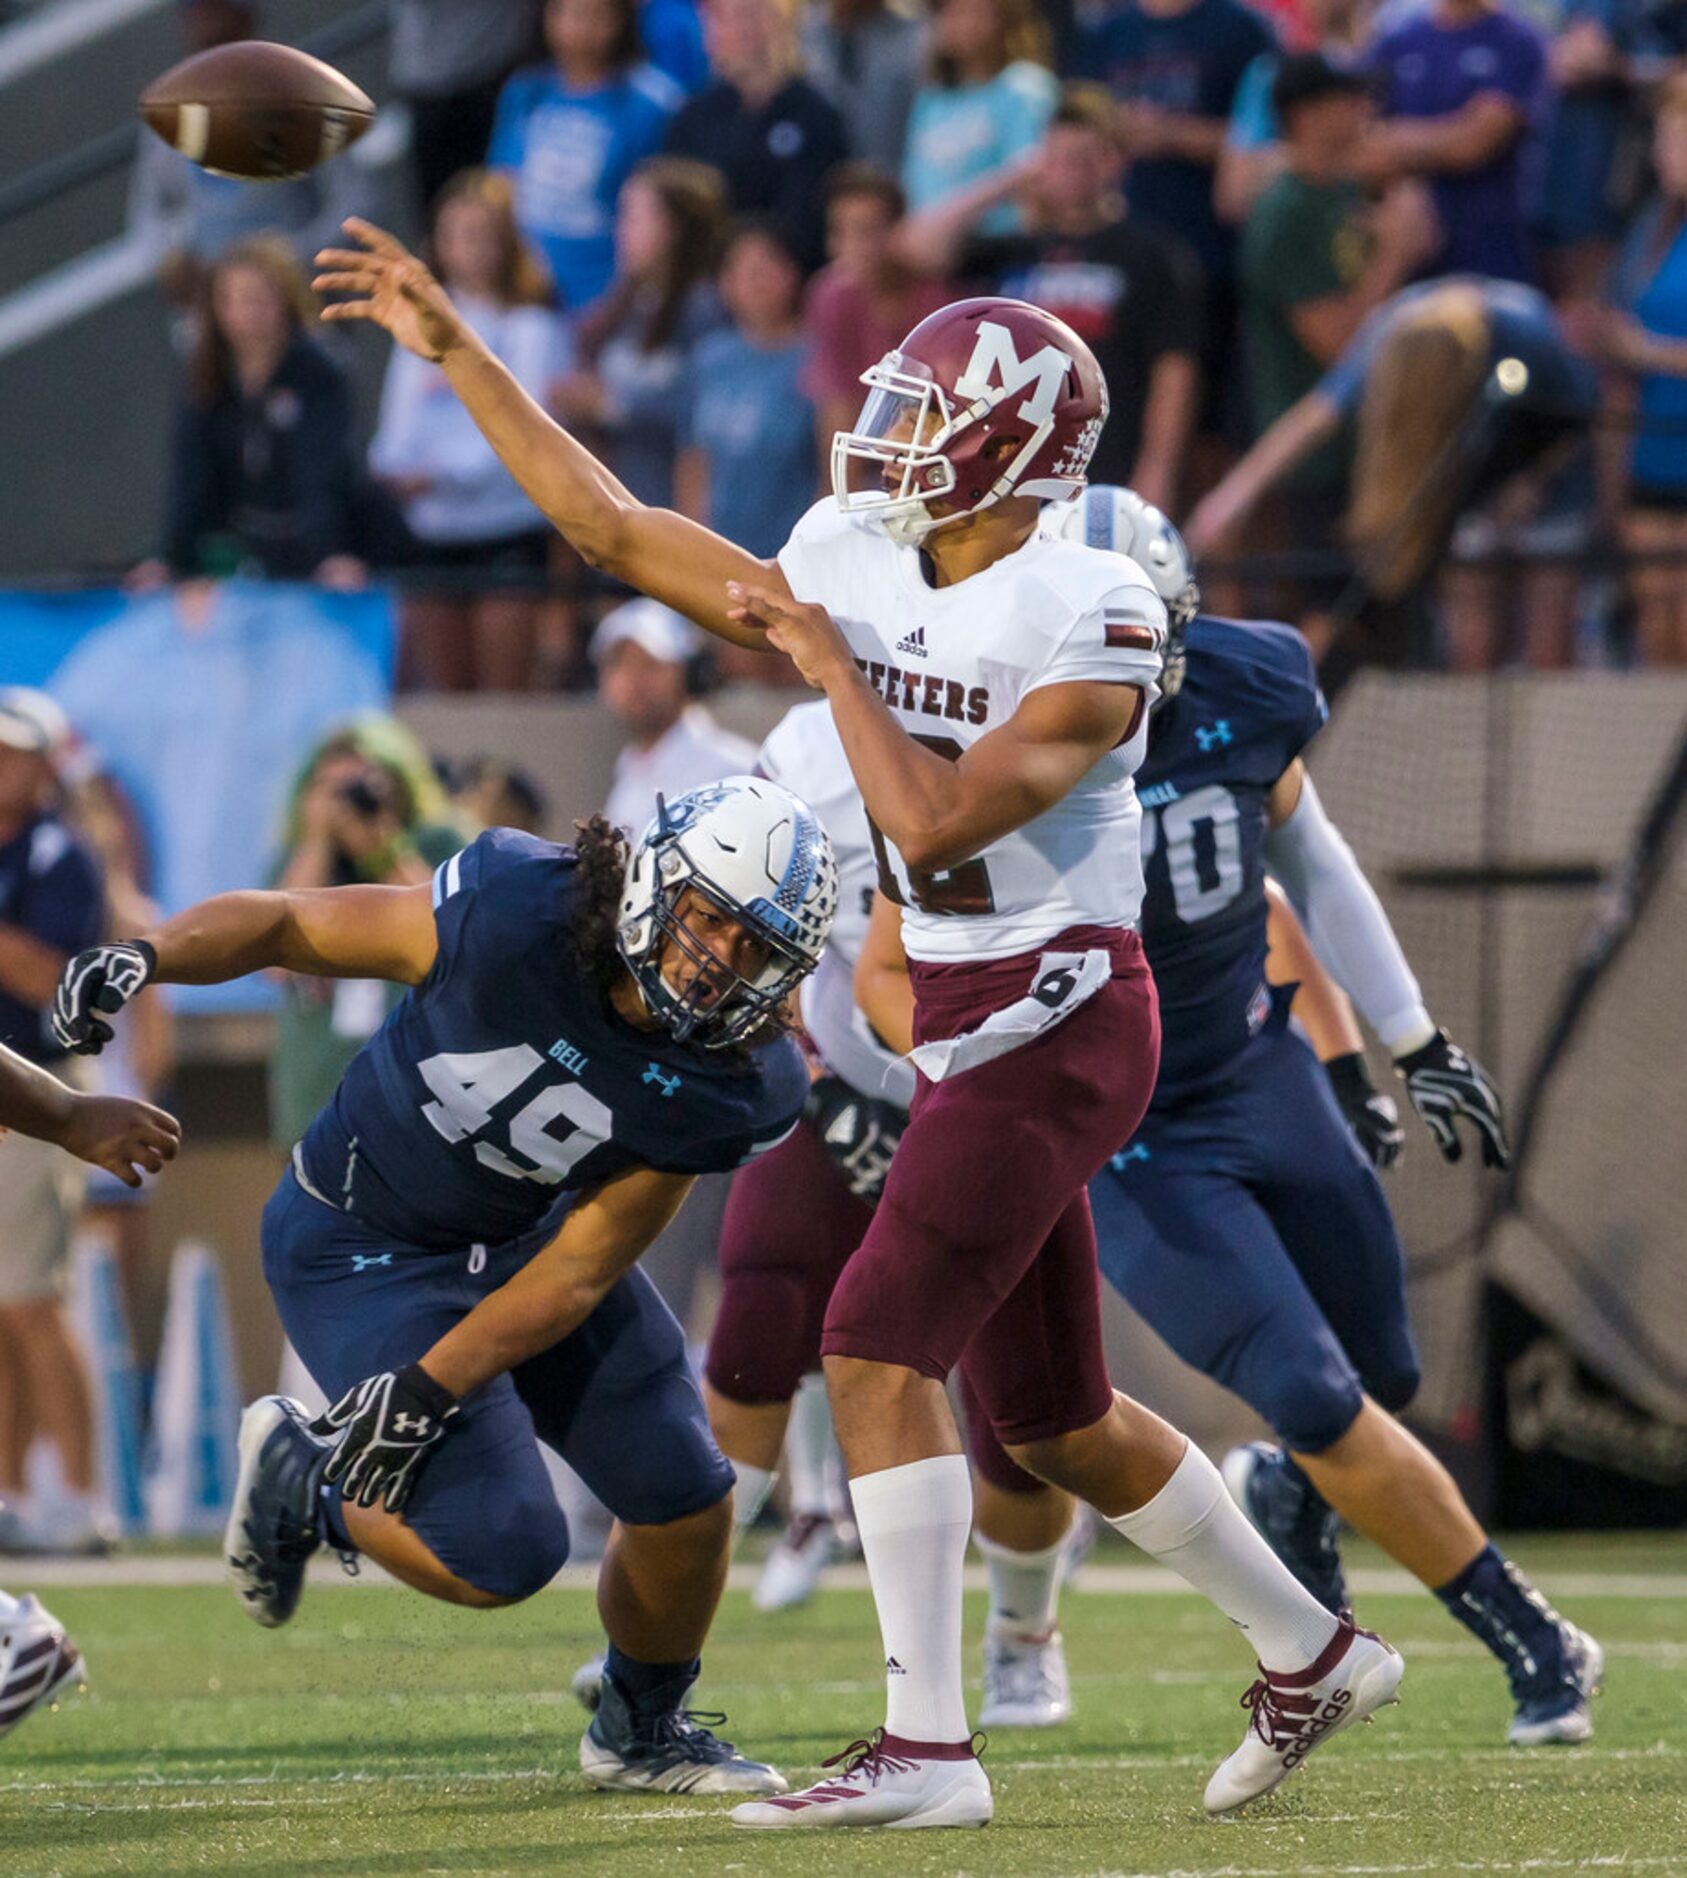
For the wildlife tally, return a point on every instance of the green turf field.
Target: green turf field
(383, 1734)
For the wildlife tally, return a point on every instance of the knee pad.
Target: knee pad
(1393, 1388)
(514, 1554)
(1310, 1397)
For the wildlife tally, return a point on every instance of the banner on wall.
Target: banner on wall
(202, 702)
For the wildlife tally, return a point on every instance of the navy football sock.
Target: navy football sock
(650, 1688)
(1499, 1607)
(334, 1519)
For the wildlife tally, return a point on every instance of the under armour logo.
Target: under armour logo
(1135, 1152)
(361, 1261)
(915, 642)
(410, 1424)
(1210, 736)
(667, 1084)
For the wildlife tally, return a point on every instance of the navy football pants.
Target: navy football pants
(617, 1399)
(1246, 1228)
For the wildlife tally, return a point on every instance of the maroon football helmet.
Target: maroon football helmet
(967, 375)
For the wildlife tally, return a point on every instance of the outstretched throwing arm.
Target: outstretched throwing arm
(665, 555)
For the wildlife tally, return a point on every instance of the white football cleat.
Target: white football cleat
(883, 1782)
(1025, 1681)
(791, 1575)
(1295, 1711)
(38, 1662)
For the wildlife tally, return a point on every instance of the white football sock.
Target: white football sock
(750, 1493)
(808, 1447)
(1193, 1526)
(1024, 1588)
(914, 1522)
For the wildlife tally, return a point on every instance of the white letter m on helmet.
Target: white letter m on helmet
(996, 356)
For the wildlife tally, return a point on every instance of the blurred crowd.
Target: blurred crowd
(1391, 296)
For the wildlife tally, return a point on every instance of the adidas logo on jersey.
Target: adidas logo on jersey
(915, 642)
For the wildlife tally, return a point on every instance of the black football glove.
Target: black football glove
(102, 979)
(859, 1132)
(383, 1430)
(1371, 1115)
(1444, 1085)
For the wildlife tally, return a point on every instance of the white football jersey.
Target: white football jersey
(954, 663)
(804, 753)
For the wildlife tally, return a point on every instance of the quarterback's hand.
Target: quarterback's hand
(1371, 1115)
(121, 1136)
(1446, 1085)
(393, 289)
(101, 980)
(383, 1430)
(806, 634)
(859, 1132)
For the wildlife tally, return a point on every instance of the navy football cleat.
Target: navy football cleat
(671, 1750)
(1553, 1705)
(1292, 1517)
(275, 1523)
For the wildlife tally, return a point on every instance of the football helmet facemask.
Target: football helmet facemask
(756, 854)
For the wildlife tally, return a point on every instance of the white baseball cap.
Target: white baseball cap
(30, 720)
(662, 632)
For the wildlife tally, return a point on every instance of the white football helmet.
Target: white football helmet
(760, 854)
(1107, 516)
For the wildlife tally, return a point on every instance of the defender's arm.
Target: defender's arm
(333, 932)
(330, 932)
(662, 554)
(602, 1238)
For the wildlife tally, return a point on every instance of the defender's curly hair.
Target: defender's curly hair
(601, 856)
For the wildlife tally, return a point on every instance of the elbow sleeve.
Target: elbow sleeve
(1346, 923)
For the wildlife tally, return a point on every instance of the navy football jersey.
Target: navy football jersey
(504, 1081)
(1246, 709)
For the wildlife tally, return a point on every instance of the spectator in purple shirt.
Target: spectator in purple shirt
(1461, 87)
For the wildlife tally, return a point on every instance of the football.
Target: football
(257, 111)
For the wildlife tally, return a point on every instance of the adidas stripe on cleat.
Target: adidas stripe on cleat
(883, 1782)
(38, 1662)
(1295, 1711)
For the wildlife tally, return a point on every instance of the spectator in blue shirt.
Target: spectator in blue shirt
(52, 905)
(747, 464)
(1462, 87)
(570, 133)
(988, 100)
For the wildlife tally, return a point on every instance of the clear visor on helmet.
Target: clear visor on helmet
(893, 455)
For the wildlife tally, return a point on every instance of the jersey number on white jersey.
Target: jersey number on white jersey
(963, 890)
(470, 1086)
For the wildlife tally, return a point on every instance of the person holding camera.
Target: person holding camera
(365, 809)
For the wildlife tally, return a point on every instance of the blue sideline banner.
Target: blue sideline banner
(203, 702)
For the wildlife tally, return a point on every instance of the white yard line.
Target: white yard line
(1125, 1762)
(141, 1569)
